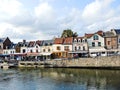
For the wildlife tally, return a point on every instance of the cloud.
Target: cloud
(99, 15)
(44, 22)
(97, 10)
(9, 8)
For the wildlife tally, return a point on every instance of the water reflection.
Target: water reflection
(59, 79)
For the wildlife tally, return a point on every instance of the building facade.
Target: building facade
(80, 47)
(96, 44)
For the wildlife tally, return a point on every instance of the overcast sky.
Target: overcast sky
(44, 19)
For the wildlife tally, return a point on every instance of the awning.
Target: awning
(18, 54)
(4, 55)
(113, 50)
(78, 52)
(46, 54)
(34, 54)
(97, 50)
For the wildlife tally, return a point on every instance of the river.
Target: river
(59, 79)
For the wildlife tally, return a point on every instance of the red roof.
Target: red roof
(88, 35)
(68, 40)
(91, 34)
(78, 37)
(100, 33)
(58, 40)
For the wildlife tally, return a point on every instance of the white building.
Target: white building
(96, 44)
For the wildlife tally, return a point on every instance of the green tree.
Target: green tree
(68, 33)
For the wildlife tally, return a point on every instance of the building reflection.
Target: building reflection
(91, 79)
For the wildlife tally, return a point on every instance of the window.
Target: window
(66, 48)
(79, 40)
(119, 40)
(85, 40)
(46, 44)
(99, 43)
(11, 52)
(83, 47)
(79, 47)
(75, 40)
(58, 47)
(75, 48)
(6, 52)
(31, 51)
(24, 51)
(95, 37)
(48, 50)
(108, 42)
(36, 51)
(36, 46)
(0, 47)
(93, 44)
(43, 50)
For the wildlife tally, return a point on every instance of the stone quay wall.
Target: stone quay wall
(110, 61)
(102, 62)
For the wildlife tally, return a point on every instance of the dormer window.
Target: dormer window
(79, 40)
(75, 40)
(85, 40)
(46, 44)
(95, 37)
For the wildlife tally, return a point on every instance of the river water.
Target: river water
(59, 79)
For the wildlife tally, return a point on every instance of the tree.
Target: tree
(68, 33)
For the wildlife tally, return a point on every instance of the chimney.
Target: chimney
(24, 41)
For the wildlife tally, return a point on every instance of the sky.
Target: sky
(46, 19)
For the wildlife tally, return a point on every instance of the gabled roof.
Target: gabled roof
(99, 33)
(58, 40)
(47, 42)
(109, 34)
(91, 34)
(39, 42)
(12, 46)
(31, 44)
(78, 37)
(68, 40)
(20, 44)
(117, 31)
(88, 35)
(2, 40)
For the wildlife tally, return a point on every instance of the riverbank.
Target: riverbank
(111, 62)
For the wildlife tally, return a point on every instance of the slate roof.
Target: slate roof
(31, 44)
(12, 46)
(117, 31)
(20, 44)
(2, 40)
(39, 42)
(47, 42)
(109, 34)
